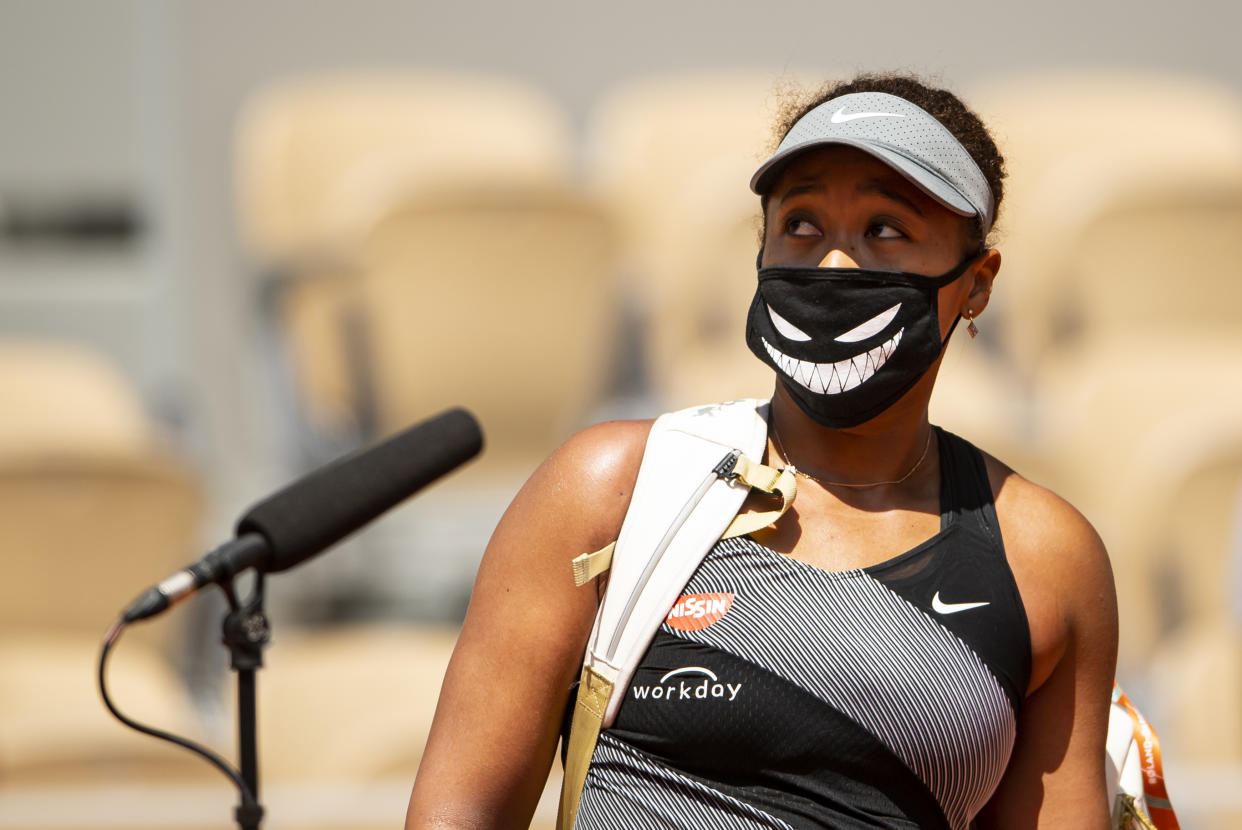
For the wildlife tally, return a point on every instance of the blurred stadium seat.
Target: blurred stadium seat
(1100, 197)
(501, 298)
(696, 317)
(671, 156)
(352, 703)
(318, 158)
(94, 509)
(1116, 244)
(309, 148)
(66, 400)
(1174, 518)
(647, 137)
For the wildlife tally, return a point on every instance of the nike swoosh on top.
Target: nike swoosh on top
(941, 607)
(840, 116)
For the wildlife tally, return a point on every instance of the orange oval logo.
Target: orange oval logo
(694, 612)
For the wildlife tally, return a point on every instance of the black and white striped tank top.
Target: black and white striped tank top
(780, 695)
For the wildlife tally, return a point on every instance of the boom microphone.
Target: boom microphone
(325, 506)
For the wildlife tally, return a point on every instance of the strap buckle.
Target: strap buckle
(726, 468)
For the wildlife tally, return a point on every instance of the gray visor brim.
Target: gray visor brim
(930, 182)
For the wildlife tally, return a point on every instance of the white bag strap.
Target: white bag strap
(684, 499)
(696, 471)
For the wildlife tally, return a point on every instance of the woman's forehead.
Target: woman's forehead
(838, 163)
(857, 173)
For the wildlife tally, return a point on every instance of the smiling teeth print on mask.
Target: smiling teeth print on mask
(833, 387)
(840, 376)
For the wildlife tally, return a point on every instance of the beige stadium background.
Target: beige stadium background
(238, 239)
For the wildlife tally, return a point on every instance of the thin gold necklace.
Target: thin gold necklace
(776, 437)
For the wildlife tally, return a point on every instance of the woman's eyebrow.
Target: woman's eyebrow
(885, 190)
(809, 185)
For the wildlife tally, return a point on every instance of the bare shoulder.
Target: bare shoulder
(589, 479)
(524, 632)
(1055, 776)
(573, 503)
(1042, 521)
(607, 452)
(1060, 564)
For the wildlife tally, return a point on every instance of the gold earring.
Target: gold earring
(971, 328)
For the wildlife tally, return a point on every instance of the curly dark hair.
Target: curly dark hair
(941, 104)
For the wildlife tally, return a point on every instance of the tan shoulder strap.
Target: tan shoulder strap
(593, 692)
(781, 483)
(775, 482)
(587, 566)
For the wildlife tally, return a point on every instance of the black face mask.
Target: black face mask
(847, 343)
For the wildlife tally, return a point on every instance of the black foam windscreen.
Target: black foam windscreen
(328, 504)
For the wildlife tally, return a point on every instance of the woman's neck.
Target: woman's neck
(889, 450)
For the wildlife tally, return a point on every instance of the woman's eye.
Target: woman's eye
(881, 230)
(801, 227)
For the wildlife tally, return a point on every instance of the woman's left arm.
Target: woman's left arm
(1056, 776)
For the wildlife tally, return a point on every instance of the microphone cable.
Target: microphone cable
(249, 802)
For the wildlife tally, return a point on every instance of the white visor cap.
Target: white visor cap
(898, 133)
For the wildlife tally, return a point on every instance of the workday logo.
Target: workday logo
(694, 612)
(688, 683)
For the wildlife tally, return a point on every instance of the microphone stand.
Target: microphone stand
(246, 632)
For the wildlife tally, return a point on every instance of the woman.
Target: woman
(897, 664)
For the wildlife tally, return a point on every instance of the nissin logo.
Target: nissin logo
(692, 683)
(694, 612)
